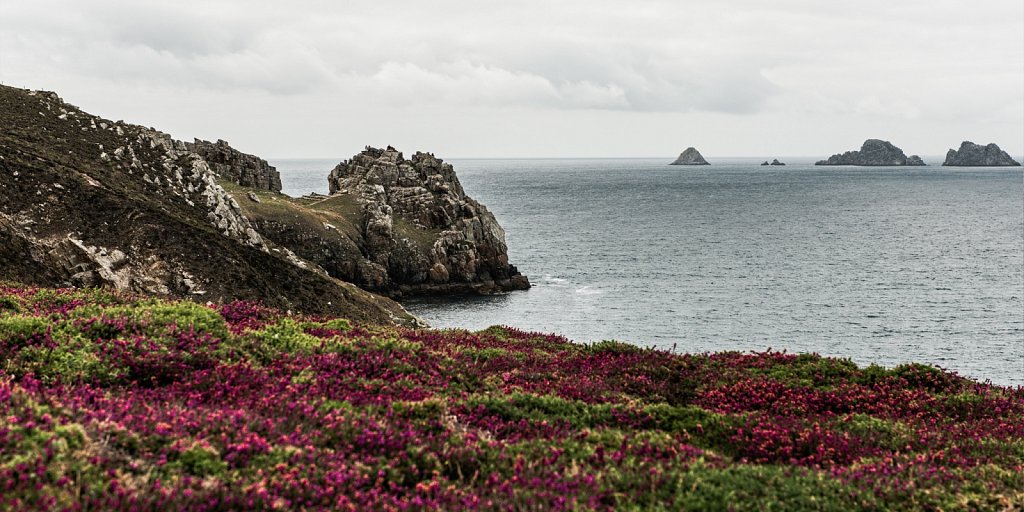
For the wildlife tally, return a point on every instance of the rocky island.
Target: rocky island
(690, 157)
(775, 161)
(976, 155)
(874, 152)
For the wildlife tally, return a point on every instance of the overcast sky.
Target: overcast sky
(516, 78)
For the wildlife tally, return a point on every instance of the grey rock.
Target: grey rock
(775, 161)
(253, 197)
(241, 168)
(976, 155)
(690, 157)
(873, 152)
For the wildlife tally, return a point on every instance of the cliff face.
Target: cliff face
(233, 165)
(86, 201)
(976, 155)
(690, 157)
(874, 152)
(419, 230)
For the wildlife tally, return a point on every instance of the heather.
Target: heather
(115, 402)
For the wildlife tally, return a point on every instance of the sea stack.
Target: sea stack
(874, 152)
(976, 155)
(690, 157)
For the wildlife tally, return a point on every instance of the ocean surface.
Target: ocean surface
(879, 265)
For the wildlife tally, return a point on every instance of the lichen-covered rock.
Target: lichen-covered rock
(976, 155)
(237, 167)
(420, 226)
(690, 157)
(873, 152)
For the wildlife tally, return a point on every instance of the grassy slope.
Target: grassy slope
(108, 402)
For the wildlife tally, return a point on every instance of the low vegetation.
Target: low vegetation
(113, 402)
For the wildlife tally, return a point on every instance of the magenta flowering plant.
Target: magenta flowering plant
(115, 402)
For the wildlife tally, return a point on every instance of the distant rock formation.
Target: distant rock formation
(976, 155)
(419, 232)
(873, 152)
(690, 157)
(241, 168)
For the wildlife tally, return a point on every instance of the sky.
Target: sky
(544, 78)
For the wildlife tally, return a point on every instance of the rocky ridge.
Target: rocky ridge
(873, 152)
(690, 156)
(976, 155)
(241, 168)
(86, 201)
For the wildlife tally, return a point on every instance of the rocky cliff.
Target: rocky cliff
(690, 157)
(874, 152)
(976, 155)
(233, 165)
(419, 231)
(87, 201)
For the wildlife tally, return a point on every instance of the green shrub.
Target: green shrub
(17, 331)
(202, 461)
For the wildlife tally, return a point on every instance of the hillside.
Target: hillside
(115, 402)
(87, 201)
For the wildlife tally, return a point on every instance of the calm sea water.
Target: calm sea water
(881, 265)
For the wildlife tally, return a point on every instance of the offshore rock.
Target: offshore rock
(419, 229)
(237, 167)
(690, 157)
(873, 152)
(976, 155)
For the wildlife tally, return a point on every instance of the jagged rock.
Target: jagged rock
(421, 228)
(765, 163)
(775, 161)
(253, 197)
(976, 155)
(873, 152)
(241, 168)
(690, 157)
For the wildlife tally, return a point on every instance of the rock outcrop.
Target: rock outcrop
(873, 152)
(86, 201)
(419, 231)
(233, 165)
(690, 157)
(976, 155)
(775, 161)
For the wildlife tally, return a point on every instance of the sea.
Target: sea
(884, 265)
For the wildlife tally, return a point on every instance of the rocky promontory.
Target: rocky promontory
(976, 155)
(874, 152)
(690, 157)
(86, 201)
(241, 168)
(422, 234)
